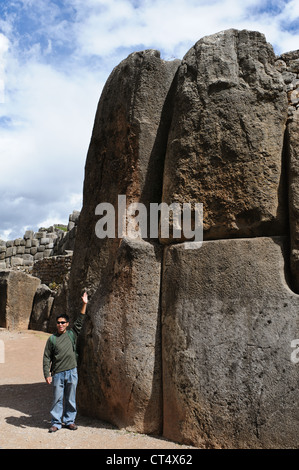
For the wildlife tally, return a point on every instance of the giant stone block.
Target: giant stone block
(120, 368)
(228, 322)
(17, 291)
(125, 157)
(226, 137)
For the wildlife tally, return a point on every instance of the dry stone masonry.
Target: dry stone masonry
(195, 344)
(47, 256)
(52, 270)
(35, 246)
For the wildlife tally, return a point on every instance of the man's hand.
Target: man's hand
(85, 300)
(49, 380)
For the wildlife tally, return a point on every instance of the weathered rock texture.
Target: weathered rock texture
(208, 130)
(289, 65)
(226, 138)
(60, 303)
(41, 308)
(17, 291)
(124, 371)
(228, 320)
(125, 157)
(52, 270)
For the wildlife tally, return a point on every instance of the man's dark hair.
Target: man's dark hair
(66, 317)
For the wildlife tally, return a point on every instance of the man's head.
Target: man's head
(62, 322)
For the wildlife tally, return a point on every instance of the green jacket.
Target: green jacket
(60, 355)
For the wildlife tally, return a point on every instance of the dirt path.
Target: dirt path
(25, 401)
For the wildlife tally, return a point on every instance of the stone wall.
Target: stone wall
(42, 257)
(35, 246)
(52, 270)
(195, 342)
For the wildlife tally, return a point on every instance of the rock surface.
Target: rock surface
(226, 138)
(292, 149)
(228, 321)
(289, 65)
(120, 378)
(125, 157)
(17, 291)
(41, 308)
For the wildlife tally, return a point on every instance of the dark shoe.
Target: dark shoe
(53, 429)
(72, 427)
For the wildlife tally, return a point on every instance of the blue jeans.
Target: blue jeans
(64, 389)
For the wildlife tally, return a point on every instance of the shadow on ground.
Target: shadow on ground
(34, 402)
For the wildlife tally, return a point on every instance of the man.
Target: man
(60, 369)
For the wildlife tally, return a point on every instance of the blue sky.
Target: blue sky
(55, 57)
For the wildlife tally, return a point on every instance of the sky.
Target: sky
(55, 57)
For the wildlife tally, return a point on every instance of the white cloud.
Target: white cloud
(291, 10)
(52, 118)
(4, 43)
(5, 234)
(171, 25)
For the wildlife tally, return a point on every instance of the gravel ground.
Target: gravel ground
(25, 400)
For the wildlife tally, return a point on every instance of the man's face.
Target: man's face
(62, 325)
